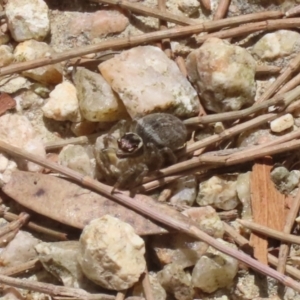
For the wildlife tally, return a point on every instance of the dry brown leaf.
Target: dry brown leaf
(6, 103)
(73, 205)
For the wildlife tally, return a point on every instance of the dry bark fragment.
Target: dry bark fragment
(6, 103)
(267, 205)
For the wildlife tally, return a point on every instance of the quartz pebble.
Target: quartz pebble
(218, 192)
(285, 180)
(158, 291)
(148, 81)
(17, 131)
(176, 281)
(60, 259)
(184, 191)
(19, 250)
(76, 158)
(214, 270)
(97, 24)
(6, 55)
(111, 254)
(14, 84)
(27, 19)
(224, 75)
(62, 104)
(31, 50)
(244, 194)
(277, 44)
(207, 219)
(97, 101)
(282, 123)
(189, 6)
(177, 248)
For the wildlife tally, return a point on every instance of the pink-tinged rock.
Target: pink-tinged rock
(223, 74)
(30, 50)
(148, 81)
(97, 24)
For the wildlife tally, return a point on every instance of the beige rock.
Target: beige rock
(18, 131)
(97, 101)
(98, 23)
(19, 250)
(214, 270)
(27, 19)
(6, 56)
(30, 50)
(218, 192)
(224, 75)
(111, 254)
(14, 84)
(189, 6)
(148, 81)
(63, 103)
(76, 158)
(282, 123)
(277, 44)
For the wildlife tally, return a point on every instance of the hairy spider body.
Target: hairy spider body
(132, 149)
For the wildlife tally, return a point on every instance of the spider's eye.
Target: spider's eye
(130, 142)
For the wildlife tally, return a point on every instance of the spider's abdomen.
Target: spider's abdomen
(163, 130)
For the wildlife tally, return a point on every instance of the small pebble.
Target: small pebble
(189, 6)
(224, 75)
(97, 101)
(184, 191)
(76, 158)
(148, 81)
(27, 19)
(13, 84)
(62, 104)
(214, 270)
(6, 55)
(218, 192)
(31, 50)
(97, 24)
(176, 281)
(83, 128)
(282, 123)
(111, 254)
(277, 44)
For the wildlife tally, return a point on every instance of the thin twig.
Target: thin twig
(250, 28)
(188, 227)
(121, 295)
(293, 11)
(290, 84)
(206, 4)
(289, 269)
(290, 220)
(290, 238)
(114, 44)
(222, 9)
(147, 289)
(281, 101)
(56, 235)
(22, 268)
(150, 12)
(14, 225)
(262, 70)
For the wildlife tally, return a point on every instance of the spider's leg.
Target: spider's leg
(153, 157)
(169, 155)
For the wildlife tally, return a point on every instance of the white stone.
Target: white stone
(214, 270)
(97, 101)
(13, 84)
(31, 50)
(19, 250)
(184, 191)
(219, 193)
(6, 56)
(111, 254)
(76, 158)
(223, 74)
(148, 81)
(62, 104)
(27, 19)
(282, 123)
(18, 131)
(277, 44)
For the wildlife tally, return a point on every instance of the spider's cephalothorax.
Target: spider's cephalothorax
(132, 149)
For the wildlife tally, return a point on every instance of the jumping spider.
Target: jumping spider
(133, 149)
